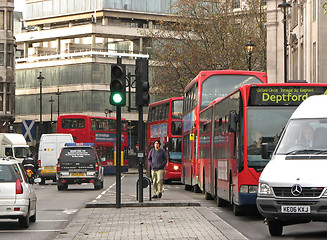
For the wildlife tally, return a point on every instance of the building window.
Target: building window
(2, 54)
(9, 55)
(314, 63)
(8, 98)
(1, 96)
(314, 11)
(2, 20)
(9, 20)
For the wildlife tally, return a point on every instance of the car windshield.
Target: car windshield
(7, 173)
(304, 136)
(264, 125)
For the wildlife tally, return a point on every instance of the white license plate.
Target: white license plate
(296, 209)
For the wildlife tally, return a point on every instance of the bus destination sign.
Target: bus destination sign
(283, 95)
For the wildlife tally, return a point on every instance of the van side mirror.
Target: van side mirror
(267, 150)
(233, 119)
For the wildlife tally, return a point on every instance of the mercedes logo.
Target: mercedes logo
(296, 190)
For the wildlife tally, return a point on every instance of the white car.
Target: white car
(17, 194)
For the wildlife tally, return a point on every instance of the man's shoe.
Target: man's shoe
(160, 195)
(154, 196)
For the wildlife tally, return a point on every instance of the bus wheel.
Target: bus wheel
(187, 187)
(208, 196)
(237, 210)
(196, 189)
(275, 228)
(221, 202)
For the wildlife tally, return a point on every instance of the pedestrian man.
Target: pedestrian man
(157, 159)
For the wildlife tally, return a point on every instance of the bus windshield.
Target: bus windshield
(175, 150)
(220, 85)
(261, 129)
(177, 109)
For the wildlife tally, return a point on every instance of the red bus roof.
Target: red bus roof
(86, 116)
(206, 74)
(165, 101)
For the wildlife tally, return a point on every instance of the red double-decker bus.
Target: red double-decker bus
(203, 89)
(98, 130)
(233, 132)
(165, 123)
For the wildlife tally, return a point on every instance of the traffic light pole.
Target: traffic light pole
(118, 157)
(140, 154)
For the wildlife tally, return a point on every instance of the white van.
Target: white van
(49, 150)
(13, 145)
(293, 186)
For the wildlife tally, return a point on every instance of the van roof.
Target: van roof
(312, 107)
(9, 138)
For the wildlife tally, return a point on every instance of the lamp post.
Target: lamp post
(249, 47)
(284, 6)
(40, 78)
(51, 109)
(58, 94)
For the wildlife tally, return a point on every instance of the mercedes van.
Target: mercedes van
(292, 187)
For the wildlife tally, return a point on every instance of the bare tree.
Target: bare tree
(206, 35)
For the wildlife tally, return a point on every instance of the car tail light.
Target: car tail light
(39, 163)
(96, 166)
(19, 187)
(58, 167)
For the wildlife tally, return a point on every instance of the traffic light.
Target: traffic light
(118, 85)
(142, 97)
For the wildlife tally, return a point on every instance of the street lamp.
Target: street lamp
(249, 47)
(58, 94)
(40, 78)
(284, 6)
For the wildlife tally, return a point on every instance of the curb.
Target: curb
(146, 204)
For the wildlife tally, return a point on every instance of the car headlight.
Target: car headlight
(264, 189)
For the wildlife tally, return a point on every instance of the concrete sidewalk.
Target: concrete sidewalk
(166, 218)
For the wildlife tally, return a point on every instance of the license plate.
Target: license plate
(296, 209)
(77, 174)
(49, 168)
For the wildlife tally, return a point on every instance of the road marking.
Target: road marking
(107, 190)
(70, 211)
(52, 220)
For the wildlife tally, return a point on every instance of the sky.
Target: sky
(19, 5)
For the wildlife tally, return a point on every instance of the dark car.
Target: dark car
(79, 164)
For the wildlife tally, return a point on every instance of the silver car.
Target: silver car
(17, 195)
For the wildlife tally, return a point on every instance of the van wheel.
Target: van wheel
(275, 228)
(62, 187)
(98, 185)
(42, 181)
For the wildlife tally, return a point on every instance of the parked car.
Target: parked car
(17, 194)
(79, 164)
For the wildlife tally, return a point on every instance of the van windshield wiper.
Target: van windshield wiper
(306, 151)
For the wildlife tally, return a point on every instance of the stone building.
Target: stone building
(7, 66)
(306, 41)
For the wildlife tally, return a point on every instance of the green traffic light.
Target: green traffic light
(117, 98)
